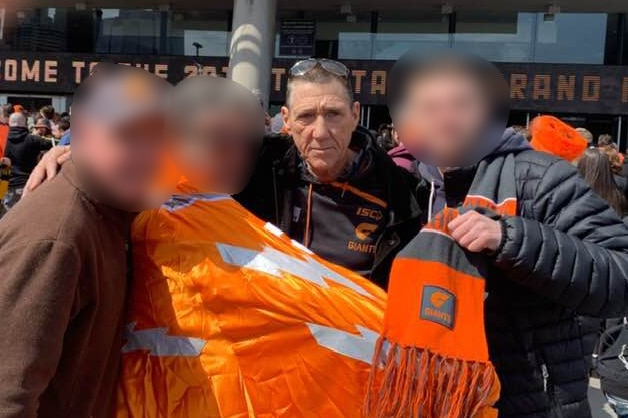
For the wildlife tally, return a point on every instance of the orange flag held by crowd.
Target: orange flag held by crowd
(230, 318)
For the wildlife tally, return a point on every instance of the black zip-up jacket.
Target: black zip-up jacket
(23, 150)
(565, 254)
(277, 186)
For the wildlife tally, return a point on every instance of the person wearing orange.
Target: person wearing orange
(228, 316)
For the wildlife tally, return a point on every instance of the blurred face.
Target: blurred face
(321, 121)
(120, 163)
(395, 135)
(41, 131)
(216, 149)
(443, 117)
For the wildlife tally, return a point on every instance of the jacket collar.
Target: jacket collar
(403, 206)
(119, 219)
(17, 131)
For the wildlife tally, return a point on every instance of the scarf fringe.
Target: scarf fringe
(413, 382)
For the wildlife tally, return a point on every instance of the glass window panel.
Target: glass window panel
(207, 28)
(571, 38)
(122, 31)
(398, 32)
(36, 29)
(505, 37)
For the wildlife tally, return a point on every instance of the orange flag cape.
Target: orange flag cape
(230, 318)
(433, 350)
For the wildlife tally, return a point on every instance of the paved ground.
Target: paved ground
(598, 403)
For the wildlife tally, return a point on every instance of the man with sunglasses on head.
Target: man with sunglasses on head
(331, 187)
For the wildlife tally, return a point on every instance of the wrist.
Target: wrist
(504, 237)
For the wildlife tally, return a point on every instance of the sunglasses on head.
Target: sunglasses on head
(303, 67)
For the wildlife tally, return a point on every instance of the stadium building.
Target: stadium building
(566, 58)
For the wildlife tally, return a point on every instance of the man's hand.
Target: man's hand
(47, 167)
(476, 232)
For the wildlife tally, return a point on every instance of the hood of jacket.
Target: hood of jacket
(402, 157)
(17, 134)
(510, 142)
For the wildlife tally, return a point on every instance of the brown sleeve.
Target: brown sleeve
(38, 284)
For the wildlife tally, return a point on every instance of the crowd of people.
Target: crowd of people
(483, 259)
(24, 137)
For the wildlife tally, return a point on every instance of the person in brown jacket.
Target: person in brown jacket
(64, 249)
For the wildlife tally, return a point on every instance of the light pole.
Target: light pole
(199, 66)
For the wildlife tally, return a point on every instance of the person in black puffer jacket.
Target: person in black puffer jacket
(563, 255)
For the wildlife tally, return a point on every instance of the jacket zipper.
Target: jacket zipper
(548, 388)
(545, 374)
(276, 195)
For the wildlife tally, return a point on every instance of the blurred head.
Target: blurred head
(215, 127)
(605, 140)
(17, 120)
(42, 127)
(321, 115)
(586, 134)
(384, 129)
(7, 109)
(118, 141)
(395, 135)
(62, 127)
(450, 109)
(523, 131)
(19, 108)
(614, 158)
(47, 112)
(595, 167)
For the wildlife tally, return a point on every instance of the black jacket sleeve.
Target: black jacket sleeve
(574, 251)
(264, 193)
(43, 144)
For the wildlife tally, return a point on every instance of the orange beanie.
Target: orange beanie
(552, 135)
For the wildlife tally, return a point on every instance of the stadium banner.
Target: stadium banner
(564, 88)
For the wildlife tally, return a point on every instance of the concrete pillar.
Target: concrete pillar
(253, 45)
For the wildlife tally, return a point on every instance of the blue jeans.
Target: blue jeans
(619, 405)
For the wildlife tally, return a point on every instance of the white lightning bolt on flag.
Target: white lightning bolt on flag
(359, 347)
(160, 344)
(273, 262)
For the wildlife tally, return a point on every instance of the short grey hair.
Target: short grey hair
(17, 119)
(318, 75)
(586, 134)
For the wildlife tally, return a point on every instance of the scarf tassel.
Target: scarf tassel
(418, 383)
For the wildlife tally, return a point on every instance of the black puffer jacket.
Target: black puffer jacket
(566, 253)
